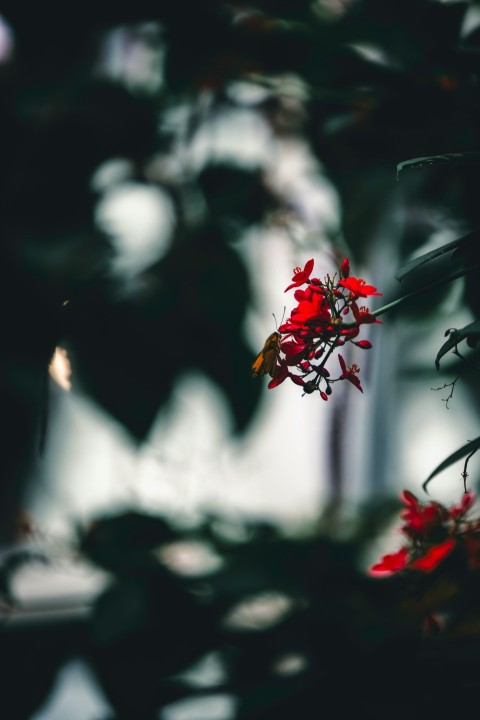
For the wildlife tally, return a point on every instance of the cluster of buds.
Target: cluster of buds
(326, 317)
(432, 532)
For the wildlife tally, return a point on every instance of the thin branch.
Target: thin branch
(446, 385)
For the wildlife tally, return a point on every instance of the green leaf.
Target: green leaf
(468, 449)
(466, 242)
(455, 337)
(463, 158)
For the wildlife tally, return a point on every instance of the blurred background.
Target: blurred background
(165, 167)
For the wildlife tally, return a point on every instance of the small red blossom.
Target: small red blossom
(294, 351)
(434, 530)
(281, 373)
(358, 287)
(350, 373)
(301, 276)
(433, 533)
(363, 316)
(421, 519)
(313, 308)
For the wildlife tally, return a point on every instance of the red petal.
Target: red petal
(392, 563)
(434, 556)
(297, 380)
(308, 267)
(409, 498)
(276, 381)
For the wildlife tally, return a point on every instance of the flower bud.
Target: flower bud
(345, 268)
(364, 344)
(309, 387)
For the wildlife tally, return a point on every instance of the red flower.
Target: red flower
(390, 564)
(363, 315)
(312, 308)
(434, 556)
(301, 276)
(350, 373)
(280, 373)
(358, 287)
(294, 351)
(421, 519)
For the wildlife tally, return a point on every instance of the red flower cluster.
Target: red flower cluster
(432, 532)
(320, 324)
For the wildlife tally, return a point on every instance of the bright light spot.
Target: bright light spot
(471, 20)
(247, 93)
(331, 9)
(290, 664)
(260, 612)
(210, 707)
(6, 40)
(372, 53)
(207, 672)
(240, 136)
(60, 369)
(190, 558)
(134, 56)
(112, 172)
(139, 220)
(75, 695)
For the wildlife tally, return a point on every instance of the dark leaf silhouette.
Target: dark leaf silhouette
(450, 159)
(468, 449)
(470, 333)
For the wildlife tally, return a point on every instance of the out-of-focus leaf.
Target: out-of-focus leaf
(470, 332)
(31, 656)
(234, 192)
(465, 243)
(143, 630)
(123, 543)
(463, 158)
(121, 357)
(468, 449)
